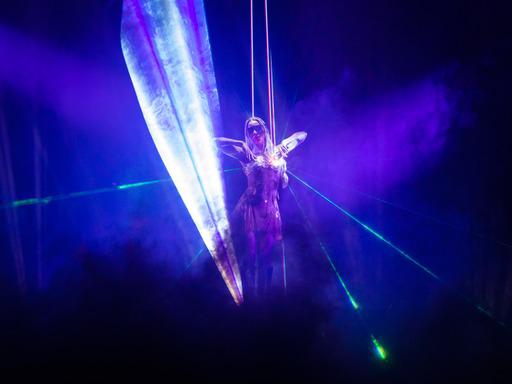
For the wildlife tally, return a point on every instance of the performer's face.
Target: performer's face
(257, 135)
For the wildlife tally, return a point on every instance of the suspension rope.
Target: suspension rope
(252, 60)
(273, 117)
(270, 112)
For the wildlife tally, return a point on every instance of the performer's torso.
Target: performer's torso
(263, 178)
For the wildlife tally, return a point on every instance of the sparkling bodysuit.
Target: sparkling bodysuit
(258, 205)
(257, 211)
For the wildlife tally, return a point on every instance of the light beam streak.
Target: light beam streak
(194, 259)
(367, 228)
(167, 51)
(416, 213)
(379, 350)
(50, 199)
(53, 198)
(400, 251)
(325, 252)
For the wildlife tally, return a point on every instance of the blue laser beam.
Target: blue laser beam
(325, 252)
(367, 228)
(379, 350)
(168, 55)
(418, 214)
(194, 259)
(120, 187)
(400, 251)
(53, 198)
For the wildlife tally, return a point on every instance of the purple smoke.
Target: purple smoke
(85, 94)
(374, 145)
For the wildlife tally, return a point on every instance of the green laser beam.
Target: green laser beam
(325, 252)
(380, 351)
(400, 251)
(196, 257)
(140, 184)
(367, 228)
(53, 198)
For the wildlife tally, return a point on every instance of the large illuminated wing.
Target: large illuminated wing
(167, 51)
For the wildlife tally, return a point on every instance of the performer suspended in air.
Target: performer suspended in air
(265, 168)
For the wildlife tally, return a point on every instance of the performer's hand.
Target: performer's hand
(284, 151)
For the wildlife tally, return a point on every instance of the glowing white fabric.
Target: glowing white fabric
(167, 51)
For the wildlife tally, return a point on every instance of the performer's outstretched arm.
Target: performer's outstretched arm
(288, 145)
(233, 148)
(292, 142)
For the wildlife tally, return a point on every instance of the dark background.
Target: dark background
(407, 110)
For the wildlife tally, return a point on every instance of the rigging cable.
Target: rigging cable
(270, 110)
(252, 60)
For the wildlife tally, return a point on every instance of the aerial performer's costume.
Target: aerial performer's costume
(265, 168)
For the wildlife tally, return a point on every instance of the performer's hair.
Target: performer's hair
(248, 140)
